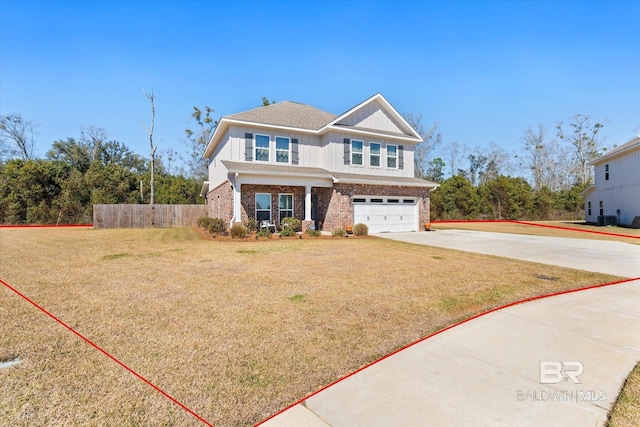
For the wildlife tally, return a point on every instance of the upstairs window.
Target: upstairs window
(356, 152)
(606, 172)
(282, 150)
(262, 148)
(374, 154)
(392, 156)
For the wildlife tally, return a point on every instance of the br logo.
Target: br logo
(556, 372)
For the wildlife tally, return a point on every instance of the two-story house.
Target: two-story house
(614, 198)
(293, 160)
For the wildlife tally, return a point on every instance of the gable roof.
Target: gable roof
(297, 117)
(626, 147)
(287, 114)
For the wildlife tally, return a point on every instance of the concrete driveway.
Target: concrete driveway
(558, 361)
(602, 256)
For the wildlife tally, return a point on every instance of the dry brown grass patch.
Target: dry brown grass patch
(626, 411)
(234, 330)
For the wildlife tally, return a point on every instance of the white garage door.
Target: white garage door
(386, 214)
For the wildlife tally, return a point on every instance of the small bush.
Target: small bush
(360, 230)
(251, 224)
(204, 221)
(339, 232)
(292, 223)
(238, 231)
(217, 226)
(287, 232)
(264, 233)
(313, 233)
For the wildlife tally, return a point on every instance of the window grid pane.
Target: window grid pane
(262, 148)
(356, 152)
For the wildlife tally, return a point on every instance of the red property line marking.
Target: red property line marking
(48, 226)
(443, 330)
(165, 394)
(533, 224)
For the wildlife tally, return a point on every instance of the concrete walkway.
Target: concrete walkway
(557, 361)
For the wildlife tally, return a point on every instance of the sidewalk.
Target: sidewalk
(488, 371)
(504, 368)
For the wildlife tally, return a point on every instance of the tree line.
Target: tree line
(78, 172)
(541, 181)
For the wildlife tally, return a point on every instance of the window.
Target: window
(408, 201)
(285, 205)
(376, 200)
(359, 200)
(393, 201)
(589, 208)
(282, 149)
(601, 208)
(263, 207)
(392, 156)
(262, 148)
(374, 154)
(606, 172)
(356, 152)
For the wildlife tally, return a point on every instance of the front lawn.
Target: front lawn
(234, 330)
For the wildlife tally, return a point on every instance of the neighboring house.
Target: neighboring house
(615, 196)
(293, 160)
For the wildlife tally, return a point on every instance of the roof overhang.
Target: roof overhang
(588, 190)
(205, 189)
(386, 181)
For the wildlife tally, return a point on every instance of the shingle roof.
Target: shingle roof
(624, 147)
(287, 113)
(266, 168)
(384, 180)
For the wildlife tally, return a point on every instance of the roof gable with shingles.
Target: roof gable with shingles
(287, 114)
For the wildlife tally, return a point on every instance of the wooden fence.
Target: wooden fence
(146, 216)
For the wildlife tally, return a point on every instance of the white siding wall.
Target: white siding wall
(621, 191)
(372, 116)
(217, 172)
(334, 155)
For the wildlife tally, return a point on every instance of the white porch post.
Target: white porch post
(307, 204)
(237, 214)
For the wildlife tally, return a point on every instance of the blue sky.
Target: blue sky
(485, 70)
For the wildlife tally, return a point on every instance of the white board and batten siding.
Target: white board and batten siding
(620, 192)
(372, 116)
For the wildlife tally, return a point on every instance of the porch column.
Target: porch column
(307, 204)
(237, 213)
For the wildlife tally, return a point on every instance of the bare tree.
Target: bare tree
(152, 100)
(586, 144)
(453, 152)
(536, 154)
(91, 139)
(430, 140)
(16, 136)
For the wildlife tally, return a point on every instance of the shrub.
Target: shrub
(287, 232)
(360, 230)
(238, 231)
(251, 224)
(292, 223)
(264, 233)
(217, 226)
(204, 221)
(313, 233)
(339, 232)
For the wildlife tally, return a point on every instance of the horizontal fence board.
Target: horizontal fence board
(146, 216)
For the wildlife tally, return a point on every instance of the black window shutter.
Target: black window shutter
(400, 157)
(294, 151)
(347, 151)
(248, 147)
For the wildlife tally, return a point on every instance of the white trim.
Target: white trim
(292, 204)
(379, 155)
(387, 157)
(255, 148)
(255, 201)
(288, 162)
(361, 153)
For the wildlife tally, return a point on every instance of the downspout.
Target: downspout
(233, 186)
